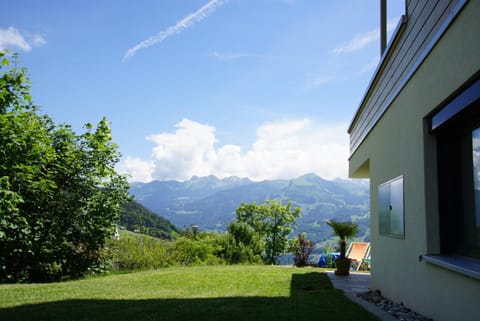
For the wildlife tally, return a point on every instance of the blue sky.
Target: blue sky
(253, 88)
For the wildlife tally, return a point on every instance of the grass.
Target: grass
(196, 293)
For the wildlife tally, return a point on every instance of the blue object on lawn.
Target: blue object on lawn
(323, 260)
(326, 260)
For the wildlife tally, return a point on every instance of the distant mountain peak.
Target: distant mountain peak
(311, 176)
(308, 179)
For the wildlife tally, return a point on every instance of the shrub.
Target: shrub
(301, 248)
(139, 252)
(198, 249)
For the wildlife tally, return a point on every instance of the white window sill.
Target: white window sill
(464, 265)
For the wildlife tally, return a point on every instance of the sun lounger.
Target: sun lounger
(358, 252)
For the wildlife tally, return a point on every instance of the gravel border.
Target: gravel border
(398, 310)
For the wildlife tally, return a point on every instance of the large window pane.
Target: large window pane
(476, 181)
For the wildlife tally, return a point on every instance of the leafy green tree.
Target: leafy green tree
(273, 221)
(243, 244)
(59, 192)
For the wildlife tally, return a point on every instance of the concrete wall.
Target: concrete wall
(400, 144)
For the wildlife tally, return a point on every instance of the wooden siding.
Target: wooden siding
(425, 20)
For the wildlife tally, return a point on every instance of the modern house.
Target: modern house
(416, 136)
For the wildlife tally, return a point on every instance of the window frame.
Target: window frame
(452, 127)
(462, 107)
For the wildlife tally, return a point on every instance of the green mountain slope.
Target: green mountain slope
(135, 217)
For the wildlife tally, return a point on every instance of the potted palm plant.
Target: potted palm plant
(344, 231)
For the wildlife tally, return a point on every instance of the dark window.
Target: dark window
(458, 148)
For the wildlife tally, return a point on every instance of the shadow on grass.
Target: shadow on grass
(312, 298)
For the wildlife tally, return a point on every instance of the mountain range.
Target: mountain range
(210, 202)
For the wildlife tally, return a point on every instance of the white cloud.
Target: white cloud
(284, 149)
(11, 37)
(358, 42)
(369, 66)
(38, 41)
(185, 153)
(138, 169)
(182, 24)
(362, 40)
(320, 81)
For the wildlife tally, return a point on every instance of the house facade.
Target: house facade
(416, 136)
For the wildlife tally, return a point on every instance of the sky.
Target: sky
(264, 89)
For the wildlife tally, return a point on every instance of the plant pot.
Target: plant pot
(343, 266)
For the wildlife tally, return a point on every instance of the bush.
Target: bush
(199, 248)
(301, 249)
(138, 252)
(141, 252)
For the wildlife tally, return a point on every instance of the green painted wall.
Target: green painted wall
(400, 144)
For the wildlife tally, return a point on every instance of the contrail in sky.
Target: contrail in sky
(186, 22)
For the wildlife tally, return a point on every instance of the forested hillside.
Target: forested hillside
(135, 217)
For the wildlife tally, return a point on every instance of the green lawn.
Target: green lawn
(195, 293)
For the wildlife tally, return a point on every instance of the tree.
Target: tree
(273, 222)
(59, 192)
(344, 231)
(243, 244)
